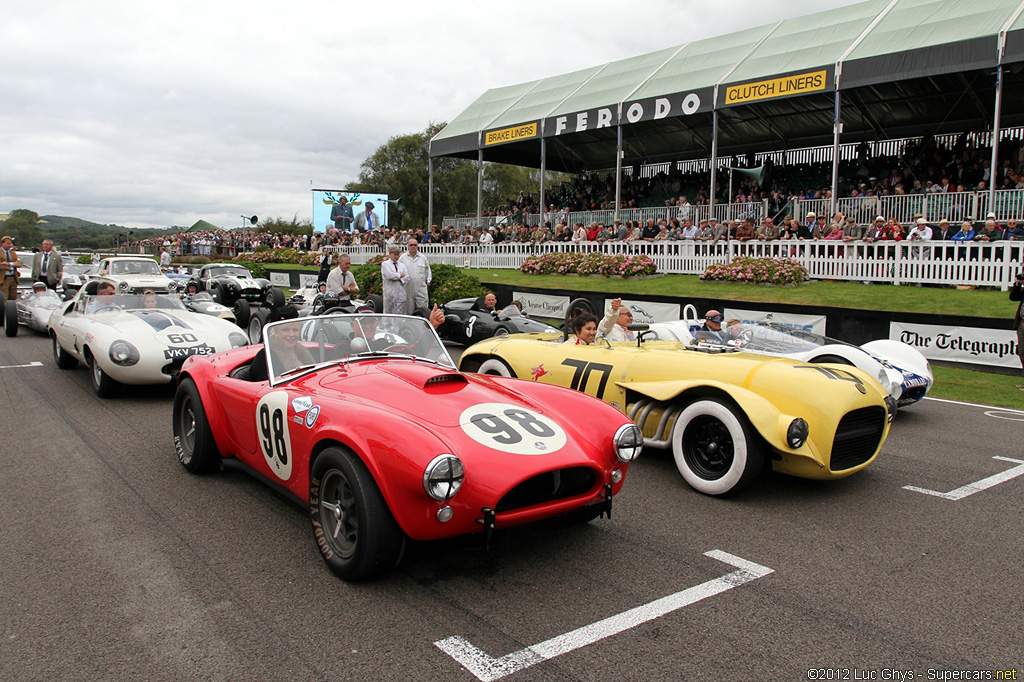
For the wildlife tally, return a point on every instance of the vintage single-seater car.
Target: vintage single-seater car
(317, 300)
(202, 303)
(133, 339)
(901, 370)
(467, 321)
(234, 286)
(364, 421)
(134, 275)
(75, 276)
(32, 309)
(723, 414)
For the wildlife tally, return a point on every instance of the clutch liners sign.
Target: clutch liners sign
(776, 87)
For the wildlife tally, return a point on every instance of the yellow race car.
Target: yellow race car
(723, 413)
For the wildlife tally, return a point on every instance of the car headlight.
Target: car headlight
(629, 441)
(123, 353)
(443, 477)
(172, 286)
(890, 407)
(796, 434)
(123, 286)
(237, 339)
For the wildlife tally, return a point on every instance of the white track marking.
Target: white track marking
(487, 669)
(976, 487)
(31, 364)
(984, 407)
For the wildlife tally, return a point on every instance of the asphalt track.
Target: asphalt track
(116, 564)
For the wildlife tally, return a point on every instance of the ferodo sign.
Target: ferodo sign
(796, 84)
(636, 111)
(513, 134)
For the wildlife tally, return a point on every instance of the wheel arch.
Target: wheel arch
(381, 479)
(768, 421)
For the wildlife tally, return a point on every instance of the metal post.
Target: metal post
(479, 187)
(714, 161)
(430, 191)
(995, 139)
(543, 172)
(618, 172)
(837, 126)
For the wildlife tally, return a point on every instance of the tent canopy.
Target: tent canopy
(900, 67)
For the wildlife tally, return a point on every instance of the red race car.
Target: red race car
(365, 420)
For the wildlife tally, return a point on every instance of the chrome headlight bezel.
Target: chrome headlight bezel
(629, 442)
(123, 353)
(443, 477)
(238, 339)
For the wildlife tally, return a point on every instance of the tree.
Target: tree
(279, 225)
(399, 168)
(22, 225)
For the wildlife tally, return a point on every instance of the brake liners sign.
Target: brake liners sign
(776, 87)
(523, 132)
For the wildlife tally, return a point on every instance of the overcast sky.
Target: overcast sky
(156, 114)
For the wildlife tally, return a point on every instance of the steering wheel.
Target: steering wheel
(109, 306)
(745, 337)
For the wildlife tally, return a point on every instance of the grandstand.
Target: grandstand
(867, 108)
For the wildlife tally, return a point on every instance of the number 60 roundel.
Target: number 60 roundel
(272, 430)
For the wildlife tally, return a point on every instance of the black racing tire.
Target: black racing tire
(352, 526)
(317, 306)
(10, 318)
(61, 357)
(577, 306)
(832, 358)
(503, 329)
(216, 295)
(715, 448)
(102, 384)
(496, 367)
(275, 297)
(257, 321)
(377, 302)
(242, 312)
(193, 439)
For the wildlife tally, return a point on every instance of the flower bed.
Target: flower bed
(593, 263)
(757, 271)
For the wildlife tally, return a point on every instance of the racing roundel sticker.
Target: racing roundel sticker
(513, 429)
(272, 430)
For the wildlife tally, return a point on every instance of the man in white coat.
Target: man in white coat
(395, 277)
(416, 294)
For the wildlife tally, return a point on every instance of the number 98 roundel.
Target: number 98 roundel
(512, 428)
(272, 430)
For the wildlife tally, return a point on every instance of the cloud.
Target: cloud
(154, 115)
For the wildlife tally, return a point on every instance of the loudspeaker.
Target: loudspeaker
(397, 203)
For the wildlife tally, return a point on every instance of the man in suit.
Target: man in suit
(48, 267)
(341, 214)
(368, 220)
(9, 264)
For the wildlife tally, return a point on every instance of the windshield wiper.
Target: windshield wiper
(296, 370)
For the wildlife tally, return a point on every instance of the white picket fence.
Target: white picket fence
(931, 262)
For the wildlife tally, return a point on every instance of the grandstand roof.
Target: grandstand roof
(902, 67)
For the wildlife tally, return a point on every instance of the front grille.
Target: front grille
(554, 485)
(912, 395)
(857, 437)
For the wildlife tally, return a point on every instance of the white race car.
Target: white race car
(134, 275)
(903, 371)
(134, 339)
(32, 309)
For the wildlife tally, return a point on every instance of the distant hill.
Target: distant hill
(74, 233)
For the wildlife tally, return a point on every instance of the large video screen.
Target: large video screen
(324, 211)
